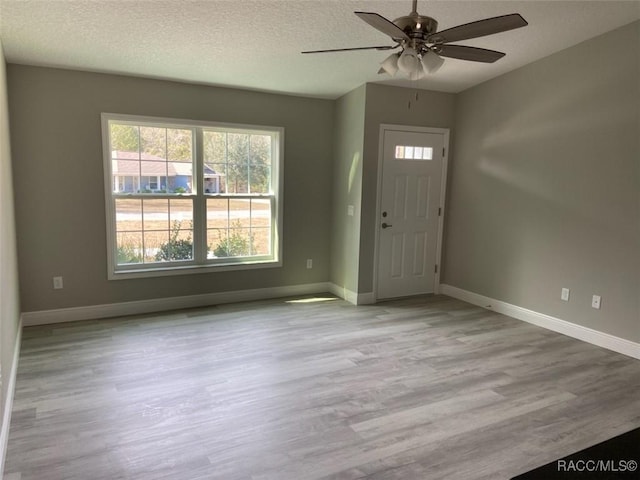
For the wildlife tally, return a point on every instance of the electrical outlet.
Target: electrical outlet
(57, 283)
(595, 302)
(565, 294)
(350, 210)
(309, 263)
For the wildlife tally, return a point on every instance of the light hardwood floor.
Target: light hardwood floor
(424, 388)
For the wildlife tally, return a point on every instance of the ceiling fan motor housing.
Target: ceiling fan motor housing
(416, 26)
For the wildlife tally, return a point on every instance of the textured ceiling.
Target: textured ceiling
(257, 44)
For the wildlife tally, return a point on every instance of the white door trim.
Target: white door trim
(384, 127)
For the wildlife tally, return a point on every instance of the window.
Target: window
(187, 196)
(407, 152)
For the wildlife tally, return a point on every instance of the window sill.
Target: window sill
(190, 270)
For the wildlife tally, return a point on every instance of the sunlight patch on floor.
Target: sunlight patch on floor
(313, 300)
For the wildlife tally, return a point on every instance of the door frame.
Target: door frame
(384, 127)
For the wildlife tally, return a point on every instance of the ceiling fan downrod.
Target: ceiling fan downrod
(416, 27)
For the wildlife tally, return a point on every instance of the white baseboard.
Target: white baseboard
(352, 297)
(8, 405)
(342, 292)
(44, 317)
(589, 335)
(368, 298)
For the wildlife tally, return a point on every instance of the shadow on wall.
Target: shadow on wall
(544, 126)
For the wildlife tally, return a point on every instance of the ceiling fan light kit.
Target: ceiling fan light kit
(432, 62)
(390, 64)
(411, 64)
(423, 46)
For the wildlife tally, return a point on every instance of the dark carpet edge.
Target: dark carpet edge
(620, 455)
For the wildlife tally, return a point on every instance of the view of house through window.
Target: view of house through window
(183, 194)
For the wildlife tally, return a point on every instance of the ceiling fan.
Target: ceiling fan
(423, 46)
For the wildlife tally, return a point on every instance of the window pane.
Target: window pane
(238, 244)
(417, 153)
(179, 246)
(237, 178)
(261, 241)
(217, 213)
(151, 173)
(181, 238)
(260, 150)
(153, 241)
(240, 213)
(399, 151)
(238, 162)
(427, 153)
(408, 152)
(153, 143)
(153, 168)
(128, 215)
(179, 177)
(214, 178)
(179, 145)
(124, 172)
(261, 226)
(155, 215)
(129, 248)
(214, 147)
(260, 212)
(238, 148)
(181, 211)
(259, 178)
(217, 242)
(124, 141)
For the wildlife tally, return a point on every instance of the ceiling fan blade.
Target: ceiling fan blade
(385, 26)
(473, 54)
(384, 47)
(480, 28)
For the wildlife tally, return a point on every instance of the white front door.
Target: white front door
(411, 198)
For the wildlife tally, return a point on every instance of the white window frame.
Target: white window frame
(200, 262)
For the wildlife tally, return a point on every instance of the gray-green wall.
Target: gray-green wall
(545, 186)
(348, 140)
(57, 160)
(9, 299)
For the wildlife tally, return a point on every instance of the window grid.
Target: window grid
(255, 216)
(409, 152)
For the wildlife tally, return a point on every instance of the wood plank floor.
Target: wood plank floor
(424, 388)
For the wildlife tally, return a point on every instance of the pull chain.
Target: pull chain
(417, 97)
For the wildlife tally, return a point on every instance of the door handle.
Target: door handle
(386, 225)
